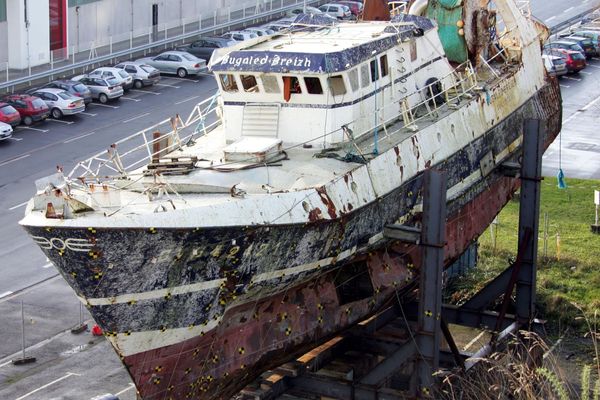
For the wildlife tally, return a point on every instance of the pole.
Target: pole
(545, 234)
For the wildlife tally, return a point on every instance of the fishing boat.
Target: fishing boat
(211, 248)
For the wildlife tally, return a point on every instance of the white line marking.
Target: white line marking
(15, 159)
(105, 105)
(571, 78)
(60, 121)
(129, 98)
(584, 108)
(568, 9)
(47, 265)
(585, 73)
(596, 58)
(78, 137)
(48, 384)
(131, 386)
(32, 129)
(145, 91)
(191, 98)
(19, 205)
(6, 363)
(184, 79)
(164, 84)
(87, 113)
(571, 117)
(550, 19)
(16, 138)
(4, 295)
(564, 86)
(134, 118)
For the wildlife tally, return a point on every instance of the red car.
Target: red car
(574, 59)
(9, 115)
(31, 108)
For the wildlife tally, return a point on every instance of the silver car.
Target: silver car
(125, 80)
(102, 89)
(176, 62)
(6, 131)
(142, 74)
(60, 102)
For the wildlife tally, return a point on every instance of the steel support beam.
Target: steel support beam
(533, 139)
(433, 237)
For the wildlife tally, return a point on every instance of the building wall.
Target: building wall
(98, 21)
(28, 46)
(3, 45)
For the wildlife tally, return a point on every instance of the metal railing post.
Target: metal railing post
(215, 18)
(131, 39)
(110, 45)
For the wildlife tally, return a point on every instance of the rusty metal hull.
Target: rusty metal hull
(242, 325)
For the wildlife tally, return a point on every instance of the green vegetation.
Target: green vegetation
(569, 273)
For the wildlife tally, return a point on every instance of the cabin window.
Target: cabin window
(291, 84)
(313, 85)
(336, 83)
(413, 50)
(353, 78)
(364, 76)
(228, 83)
(383, 64)
(249, 83)
(374, 70)
(270, 84)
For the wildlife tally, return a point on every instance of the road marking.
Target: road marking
(4, 295)
(564, 86)
(191, 98)
(596, 58)
(568, 9)
(89, 114)
(6, 363)
(16, 138)
(129, 98)
(134, 118)
(585, 73)
(131, 386)
(593, 66)
(78, 137)
(32, 129)
(145, 91)
(184, 79)
(571, 78)
(60, 121)
(105, 105)
(19, 205)
(47, 265)
(571, 117)
(550, 19)
(14, 159)
(584, 108)
(48, 384)
(164, 84)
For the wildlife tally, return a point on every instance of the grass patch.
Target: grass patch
(570, 272)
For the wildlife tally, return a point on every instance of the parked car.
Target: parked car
(102, 89)
(260, 31)
(142, 74)
(176, 62)
(586, 44)
(239, 36)
(594, 35)
(339, 11)
(277, 26)
(204, 47)
(304, 10)
(32, 109)
(9, 115)
(75, 88)
(6, 131)
(574, 60)
(60, 102)
(555, 65)
(356, 7)
(565, 45)
(124, 79)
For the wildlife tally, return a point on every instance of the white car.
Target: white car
(60, 102)
(339, 11)
(304, 10)
(142, 74)
(239, 36)
(260, 31)
(5, 131)
(124, 79)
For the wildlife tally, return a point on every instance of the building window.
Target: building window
(353, 78)
(313, 85)
(374, 71)
(73, 3)
(270, 83)
(228, 83)
(249, 83)
(383, 63)
(2, 10)
(336, 83)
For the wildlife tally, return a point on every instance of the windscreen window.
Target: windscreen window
(313, 85)
(270, 84)
(249, 83)
(228, 83)
(336, 83)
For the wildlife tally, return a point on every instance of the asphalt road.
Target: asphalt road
(68, 366)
